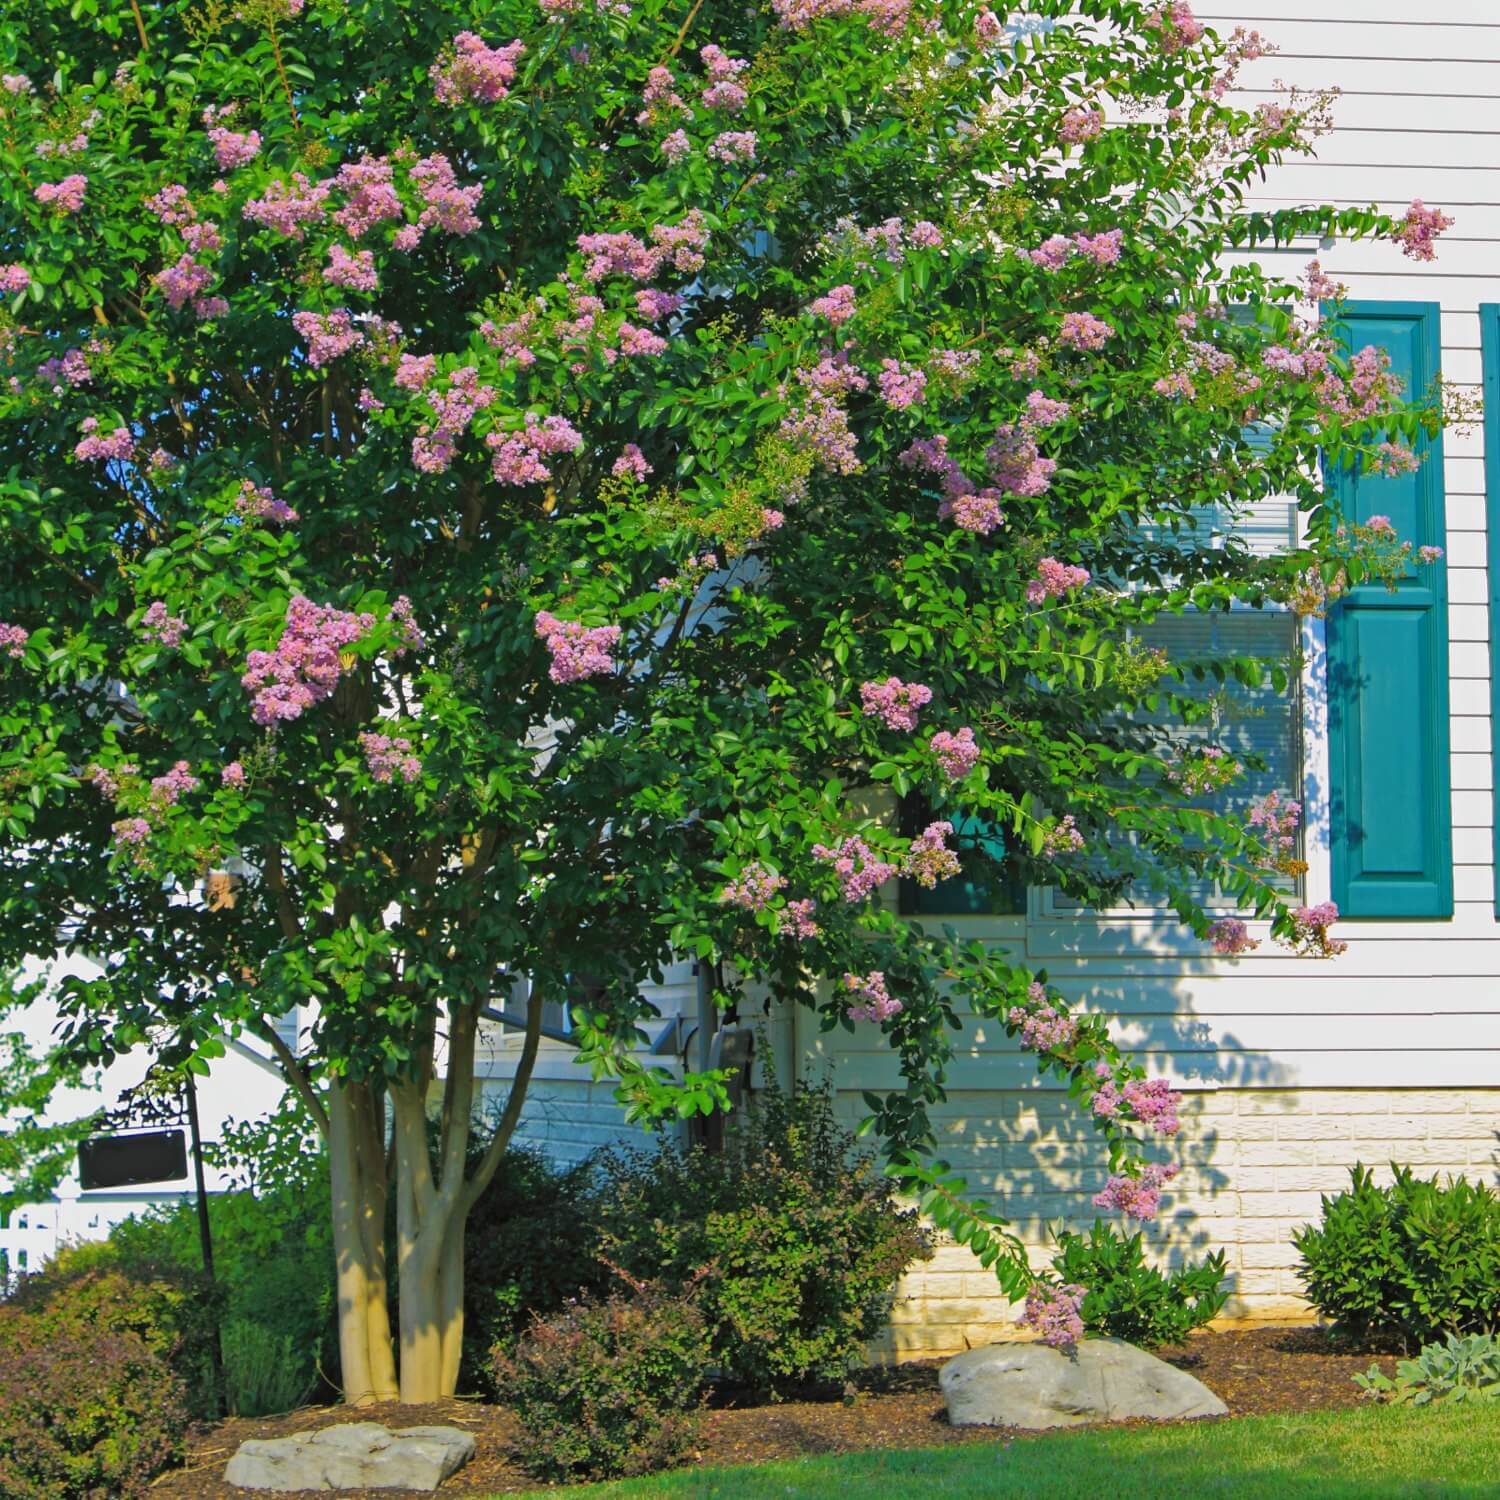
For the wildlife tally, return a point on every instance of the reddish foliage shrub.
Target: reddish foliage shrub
(607, 1388)
(83, 1417)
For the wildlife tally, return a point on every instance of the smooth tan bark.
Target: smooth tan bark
(366, 1359)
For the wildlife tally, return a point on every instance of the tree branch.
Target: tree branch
(296, 1075)
(512, 1115)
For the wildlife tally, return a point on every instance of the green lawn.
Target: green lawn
(1367, 1454)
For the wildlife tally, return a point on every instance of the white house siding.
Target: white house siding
(1293, 1069)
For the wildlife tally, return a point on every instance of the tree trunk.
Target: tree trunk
(356, 1156)
(433, 1201)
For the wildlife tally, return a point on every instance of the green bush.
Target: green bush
(530, 1247)
(1130, 1300)
(263, 1371)
(1462, 1369)
(165, 1306)
(609, 1388)
(83, 1415)
(1416, 1260)
(794, 1242)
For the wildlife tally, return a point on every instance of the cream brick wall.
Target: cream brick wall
(1254, 1166)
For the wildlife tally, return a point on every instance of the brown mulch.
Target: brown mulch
(1255, 1371)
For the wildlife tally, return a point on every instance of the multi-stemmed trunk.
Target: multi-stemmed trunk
(434, 1196)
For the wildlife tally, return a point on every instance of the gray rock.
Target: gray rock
(352, 1456)
(1103, 1380)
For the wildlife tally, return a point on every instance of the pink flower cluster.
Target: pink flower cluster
(259, 503)
(72, 369)
(754, 888)
(357, 271)
(724, 91)
(14, 278)
(1053, 254)
(1209, 769)
(163, 628)
(820, 426)
(1310, 926)
(837, 305)
(577, 650)
(1178, 26)
(617, 254)
(1054, 579)
(1053, 1311)
(165, 790)
(797, 920)
(928, 858)
(329, 335)
(101, 447)
(1136, 1197)
(1230, 936)
(185, 281)
(859, 869)
(131, 833)
(453, 410)
(631, 464)
(65, 196)
(1277, 822)
(868, 997)
(957, 754)
(471, 70)
(1080, 125)
(232, 148)
(1016, 463)
(1082, 330)
(1046, 1028)
(1393, 460)
(888, 17)
(733, 147)
(1154, 1102)
(894, 702)
(518, 455)
(389, 756)
(901, 385)
(1062, 837)
(305, 668)
(13, 639)
(1419, 229)
(232, 775)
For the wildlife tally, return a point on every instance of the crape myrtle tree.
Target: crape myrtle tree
(516, 484)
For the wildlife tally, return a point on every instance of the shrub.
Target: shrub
(166, 1307)
(263, 1370)
(83, 1416)
(274, 1268)
(1417, 1260)
(1130, 1300)
(530, 1247)
(795, 1242)
(1462, 1369)
(607, 1388)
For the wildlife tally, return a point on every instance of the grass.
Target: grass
(1370, 1453)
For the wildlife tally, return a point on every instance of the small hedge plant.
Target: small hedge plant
(1416, 1260)
(607, 1389)
(84, 1290)
(83, 1416)
(793, 1241)
(1128, 1299)
(1461, 1369)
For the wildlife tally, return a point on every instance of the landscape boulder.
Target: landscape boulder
(1101, 1380)
(352, 1456)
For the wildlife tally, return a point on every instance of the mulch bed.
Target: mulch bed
(1254, 1371)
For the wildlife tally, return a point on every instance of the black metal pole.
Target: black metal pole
(206, 1240)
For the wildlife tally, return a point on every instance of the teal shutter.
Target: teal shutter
(1389, 798)
(1489, 338)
